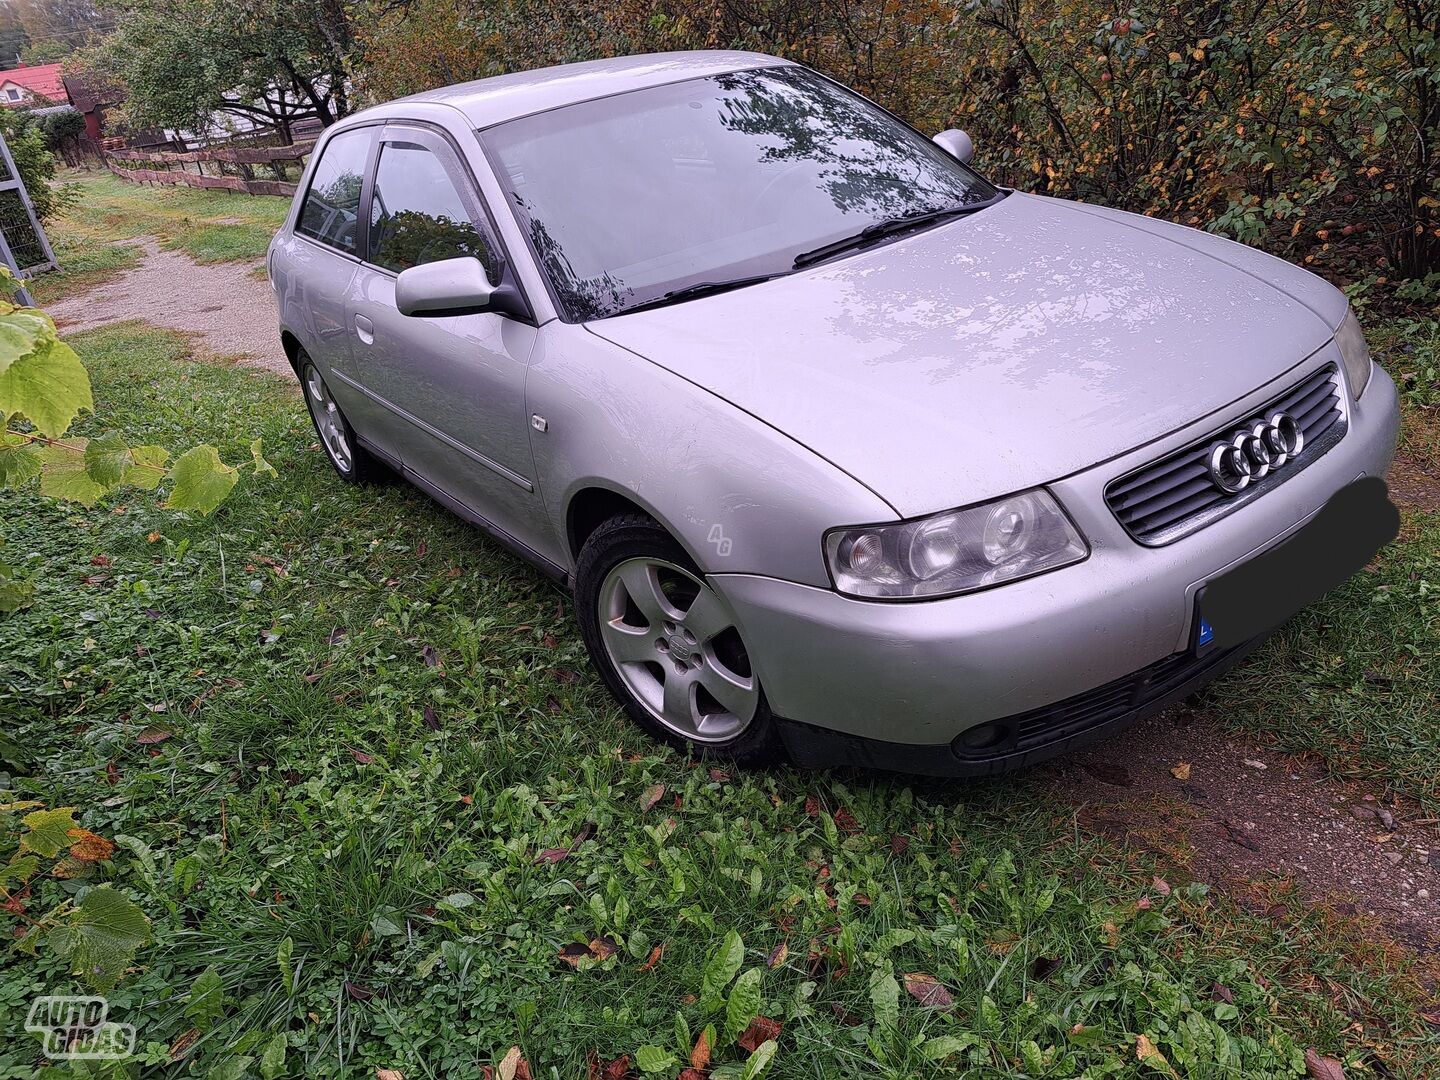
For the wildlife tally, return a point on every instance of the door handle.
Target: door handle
(364, 330)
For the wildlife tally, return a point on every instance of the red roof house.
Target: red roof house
(22, 86)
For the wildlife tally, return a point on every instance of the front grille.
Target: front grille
(1174, 496)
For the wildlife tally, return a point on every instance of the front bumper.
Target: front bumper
(912, 677)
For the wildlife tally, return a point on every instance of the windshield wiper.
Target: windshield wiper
(888, 227)
(699, 289)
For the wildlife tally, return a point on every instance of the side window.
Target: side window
(331, 213)
(417, 215)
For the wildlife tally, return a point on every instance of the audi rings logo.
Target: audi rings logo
(1254, 452)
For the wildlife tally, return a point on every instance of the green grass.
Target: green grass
(209, 226)
(323, 786)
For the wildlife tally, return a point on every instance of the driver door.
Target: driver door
(454, 386)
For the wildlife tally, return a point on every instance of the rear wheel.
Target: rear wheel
(337, 437)
(667, 647)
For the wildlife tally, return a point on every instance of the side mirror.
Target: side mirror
(957, 144)
(448, 287)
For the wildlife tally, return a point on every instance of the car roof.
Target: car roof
(505, 97)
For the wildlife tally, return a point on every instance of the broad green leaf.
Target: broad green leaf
(885, 998)
(107, 459)
(758, 1062)
(63, 474)
(942, 1046)
(20, 869)
(15, 595)
(202, 480)
(21, 333)
(49, 387)
(683, 1041)
(743, 1005)
(48, 830)
(186, 873)
(720, 969)
(654, 1059)
(19, 460)
(272, 1060)
(232, 1068)
(257, 459)
(206, 1002)
(282, 961)
(147, 467)
(102, 938)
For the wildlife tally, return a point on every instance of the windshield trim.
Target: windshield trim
(557, 302)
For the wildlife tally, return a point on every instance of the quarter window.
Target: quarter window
(331, 213)
(417, 214)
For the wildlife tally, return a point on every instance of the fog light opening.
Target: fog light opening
(984, 737)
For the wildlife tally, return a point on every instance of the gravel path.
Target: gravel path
(231, 313)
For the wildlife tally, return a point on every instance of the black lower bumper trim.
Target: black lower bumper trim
(1030, 737)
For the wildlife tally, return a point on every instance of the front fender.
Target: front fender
(739, 496)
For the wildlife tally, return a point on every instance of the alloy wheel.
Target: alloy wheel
(677, 651)
(328, 420)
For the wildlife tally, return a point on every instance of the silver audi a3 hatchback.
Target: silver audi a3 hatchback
(847, 453)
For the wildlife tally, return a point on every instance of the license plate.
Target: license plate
(1204, 635)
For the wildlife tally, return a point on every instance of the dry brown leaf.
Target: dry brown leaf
(513, 1066)
(573, 953)
(388, 1074)
(361, 758)
(777, 955)
(603, 947)
(1161, 886)
(653, 794)
(1181, 771)
(87, 847)
(153, 734)
(761, 1029)
(618, 1069)
(1146, 1051)
(700, 1053)
(1322, 1068)
(927, 990)
(655, 954)
(181, 1045)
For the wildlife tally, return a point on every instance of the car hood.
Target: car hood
(997, 352)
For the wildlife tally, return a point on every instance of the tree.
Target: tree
(272, 62)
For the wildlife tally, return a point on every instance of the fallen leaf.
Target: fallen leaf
(361, 758)
(430, 656)
(513, 1066)
(422, 549)
(1160, 885)
(603, 947)
(1322, 1068)
(700, 1053)
(1254, 763)
(432, 721)
(927, 990)
(358, 991)
(845, 822)
(153, 538)
(1181, 771)
(720, 776)
(761, 1029)
(88, 847)
(812, 806)
(655, 954)
(618, 1069)
(388, 1074)
(692, 1074)
(112, 774)
(1146, 1052)
(153, 734)
(899, 844)
(777, 955)
(1221, 992)
(653, 794)
(574, 952)
(337, 635)
(181, 1045)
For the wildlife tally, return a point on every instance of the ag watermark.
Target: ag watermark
(720, 540)
(79, 1028)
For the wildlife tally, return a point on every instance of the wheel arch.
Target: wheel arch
(593, 503)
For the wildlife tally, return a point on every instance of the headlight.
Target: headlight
(1355, 353)
(954, 552)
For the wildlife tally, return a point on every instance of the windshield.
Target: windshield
(631, 197)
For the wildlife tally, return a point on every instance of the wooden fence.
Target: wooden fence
(229, 168)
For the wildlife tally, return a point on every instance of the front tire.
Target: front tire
(349, 459)
(666, 646)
